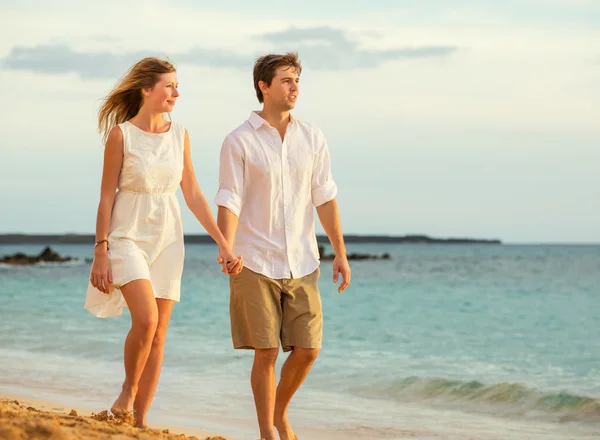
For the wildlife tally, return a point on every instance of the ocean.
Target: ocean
(439, 342)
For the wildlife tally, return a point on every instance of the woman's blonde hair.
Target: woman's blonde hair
(125, 99)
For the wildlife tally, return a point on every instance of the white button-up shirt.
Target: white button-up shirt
(272, 186)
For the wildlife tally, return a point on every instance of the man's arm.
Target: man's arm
(231, 189)
(227, 222)
(323, 194)
(330, 219)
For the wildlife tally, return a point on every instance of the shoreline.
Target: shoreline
(33, 419)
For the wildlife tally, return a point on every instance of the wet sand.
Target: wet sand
(28, 419)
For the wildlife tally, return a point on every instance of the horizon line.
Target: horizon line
(350, 237)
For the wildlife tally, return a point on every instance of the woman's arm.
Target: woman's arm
(197, 203)
(101, 275)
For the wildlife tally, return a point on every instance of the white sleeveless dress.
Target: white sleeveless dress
(146, 235)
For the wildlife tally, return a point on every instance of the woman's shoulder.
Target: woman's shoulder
(115, 141)
(178, 128)
(178, 132)
(116, 133)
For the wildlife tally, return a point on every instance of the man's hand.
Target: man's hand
(340, 265)
(234, 267)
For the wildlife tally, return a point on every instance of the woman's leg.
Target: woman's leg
(144, 320)
(151, 374)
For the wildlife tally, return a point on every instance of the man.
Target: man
(273, 170)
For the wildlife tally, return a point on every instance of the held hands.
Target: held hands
(341, 266)
(101, 275)
(231, 264)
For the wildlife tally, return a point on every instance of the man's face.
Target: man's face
(283, 92)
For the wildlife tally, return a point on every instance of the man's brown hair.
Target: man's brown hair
(266, 66)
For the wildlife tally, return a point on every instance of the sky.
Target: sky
(479, 120)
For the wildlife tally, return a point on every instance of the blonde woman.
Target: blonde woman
(139, 249)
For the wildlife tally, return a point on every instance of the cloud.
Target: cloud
(322, 48)
(322, 34)
(328, 48)
(59, 59)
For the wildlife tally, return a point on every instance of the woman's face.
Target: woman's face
(163, 95)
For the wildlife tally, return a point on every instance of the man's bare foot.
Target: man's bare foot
(283, 427)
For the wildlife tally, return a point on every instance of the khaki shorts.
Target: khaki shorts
(264, 311)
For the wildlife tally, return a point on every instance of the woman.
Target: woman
(139, 249)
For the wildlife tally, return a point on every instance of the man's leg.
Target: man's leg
(263, 387)
(255, 313)
(294, 371)
(302, 332)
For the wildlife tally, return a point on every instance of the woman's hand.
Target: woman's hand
(101, 275)
(231, 263)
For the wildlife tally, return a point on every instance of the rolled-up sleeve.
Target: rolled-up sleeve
(323, 187)
(231, 176)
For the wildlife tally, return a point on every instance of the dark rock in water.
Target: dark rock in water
(46, 256)
(353, 256)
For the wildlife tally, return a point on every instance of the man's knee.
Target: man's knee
(266, 356)
(306, 355)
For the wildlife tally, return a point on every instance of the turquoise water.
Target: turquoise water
(509, 335)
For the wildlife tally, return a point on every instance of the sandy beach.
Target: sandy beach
(29, 419)
(32, 419)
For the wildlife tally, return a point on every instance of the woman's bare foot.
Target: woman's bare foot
(122, 408)
(268, 436)
(123, 415)
(283, 427)
(140, 422)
